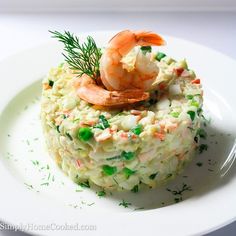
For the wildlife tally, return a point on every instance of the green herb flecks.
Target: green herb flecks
(29, 186)
(83, 58)
(103, 123)
(189, 97)
(202, 133)
(199, 164)
(153, 176)
(101, 193)
(192, 114)
(179, 192)
(202, 148)
(69, 136)
(114, 158)
(135, 189)
(159, 56)
(50, 83)
(146, 49)
(128, 172)
(84, 184)
(125, 204)
(127, 155)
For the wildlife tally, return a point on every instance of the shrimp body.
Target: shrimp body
(113, 74)
(89, 91)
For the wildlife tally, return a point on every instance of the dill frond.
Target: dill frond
(82, 58)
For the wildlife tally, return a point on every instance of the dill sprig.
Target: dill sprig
(83, 58)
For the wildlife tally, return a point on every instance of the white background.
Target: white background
(217, 30)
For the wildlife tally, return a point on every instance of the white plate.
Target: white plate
(53, 197)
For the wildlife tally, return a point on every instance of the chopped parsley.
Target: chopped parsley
(189, 97)
(179, 192)
(84, 184)
(202, 148)
(202, 133)
(192, 114)
(50, 82)
(124, 204)
(69, 136)
(160, 55)
(57, 128)
(135, 189)
(146, 49)
(153, 176)
(101, 193)
(199, 164)
(127, 155)
(103, 123)
(128, 172)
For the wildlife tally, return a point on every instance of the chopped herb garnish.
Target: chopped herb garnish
(83, 58)
(35, 162)
(84, 184)
(196, 139)
(179, 193)
(202, 133)
(199, 111)
(29, 185)
(124, 204)
(90, 204)
(199, 164)
(175, 114)
(57, 128)
(202, 148)
(127, 155)
(128, 172)
(135, 189)
(189, 97)
(44, 184)
(103, 123)
(192, 114)
(137, 129)
(101, 193)
(169, 175)
(113, 158)
(50, 82)
(160, 55)
(153, 176)
(84, 134)
(146, 49)
(109, 170)
(69, 136)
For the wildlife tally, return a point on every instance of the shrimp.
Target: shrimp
(113, 74)
(89, 91)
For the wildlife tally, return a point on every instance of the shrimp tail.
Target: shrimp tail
(149, 38)
(94, 94)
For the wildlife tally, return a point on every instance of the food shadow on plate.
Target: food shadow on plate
(208, 171)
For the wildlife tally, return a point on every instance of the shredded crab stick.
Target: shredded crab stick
(113, 74)
(89, 91)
